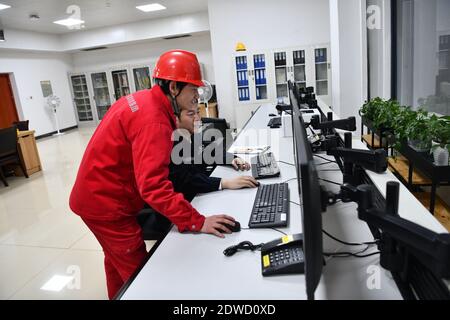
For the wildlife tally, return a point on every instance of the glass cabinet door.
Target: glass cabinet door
(142, 78)
(121, 83)
(242, 78)
(281, 76)
(259, 65)
(321, 62)
(101, 93)
(81, 98)
(298, 57)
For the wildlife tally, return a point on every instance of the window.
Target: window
(422, 61)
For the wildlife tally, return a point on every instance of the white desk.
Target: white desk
(192, 266)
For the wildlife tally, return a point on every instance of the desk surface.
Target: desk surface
(192, 266)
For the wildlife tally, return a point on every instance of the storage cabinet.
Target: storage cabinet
(141, 78)
(251, 77)
(121, 83)
(101, 93)
(81, 98)
(263, 76)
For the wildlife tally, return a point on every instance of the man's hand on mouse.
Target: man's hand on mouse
(240, 164)
(214, 224)
(239, 183)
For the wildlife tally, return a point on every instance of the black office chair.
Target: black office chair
(224, 127)
(9, 152)
(22, 125)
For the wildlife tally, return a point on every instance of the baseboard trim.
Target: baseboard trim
(53, 132)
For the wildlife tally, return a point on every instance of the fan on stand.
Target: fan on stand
(54, 102)
(205, 93)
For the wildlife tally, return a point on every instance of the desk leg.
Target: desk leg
(433, 197)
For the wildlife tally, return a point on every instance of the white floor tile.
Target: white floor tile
(87, 272)
(19, 265)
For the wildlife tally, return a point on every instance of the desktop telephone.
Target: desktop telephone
(283, 256)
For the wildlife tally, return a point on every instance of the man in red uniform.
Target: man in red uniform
(126, 164)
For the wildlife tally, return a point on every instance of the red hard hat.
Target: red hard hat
(179, 65)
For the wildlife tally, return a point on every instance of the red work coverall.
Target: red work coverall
(126, 163)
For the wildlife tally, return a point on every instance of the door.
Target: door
(121, 83)
(259, 77)
(299, 68)
(281, 76)
(102, 98)
(141, 78)
(242, 77)
(8, 111)
(81, 99)
(322, 74)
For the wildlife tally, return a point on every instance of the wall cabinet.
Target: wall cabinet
(263, 76)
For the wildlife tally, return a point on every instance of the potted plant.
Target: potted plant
(417, 131)
(440, 134)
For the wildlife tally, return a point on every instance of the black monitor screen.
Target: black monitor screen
(309, 189)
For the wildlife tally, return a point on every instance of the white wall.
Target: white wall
(28, 70)
(259, 25)
(146, 52)
(348, 56)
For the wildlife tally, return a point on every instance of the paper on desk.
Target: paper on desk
(248, 149)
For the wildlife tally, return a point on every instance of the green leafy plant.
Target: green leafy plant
(418, 130)
(439, 128)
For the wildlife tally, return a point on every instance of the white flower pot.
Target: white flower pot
(440, 155)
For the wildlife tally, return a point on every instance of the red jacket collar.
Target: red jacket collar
(160, 96)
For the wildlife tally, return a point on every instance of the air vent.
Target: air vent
(176, 37)
(94, 49)
(2, 35)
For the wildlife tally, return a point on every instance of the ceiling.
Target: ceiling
(95, 13)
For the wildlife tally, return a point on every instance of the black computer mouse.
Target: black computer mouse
(272, 115)
(235, 228)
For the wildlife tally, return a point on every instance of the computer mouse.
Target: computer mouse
(272, 115)
(235, 228)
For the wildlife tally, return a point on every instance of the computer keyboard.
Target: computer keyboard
(271, 206)
(274, 122)
(264, 165)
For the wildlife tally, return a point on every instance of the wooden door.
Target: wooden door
(8, 111)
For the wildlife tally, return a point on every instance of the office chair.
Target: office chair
(9, 152)
(22, 125)
(153, 224)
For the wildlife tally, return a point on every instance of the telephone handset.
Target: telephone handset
(283, 256)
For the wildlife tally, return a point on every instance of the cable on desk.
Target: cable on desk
(291, 164)
(351, 254)
(339, 184)
(295, 203)
(348, 243)
(279, 231)
(330, 170)
(323, 158)
(320, 164)
(289, 180)
(244, 245)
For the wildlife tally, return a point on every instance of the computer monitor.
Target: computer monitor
(309, 191)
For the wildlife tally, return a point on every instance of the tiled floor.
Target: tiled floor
(40, 237)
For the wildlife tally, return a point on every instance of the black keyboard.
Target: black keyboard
(271, 206)
(274, 122)
(264, 165)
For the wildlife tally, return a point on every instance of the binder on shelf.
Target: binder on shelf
(263, 61)
(263, 78)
